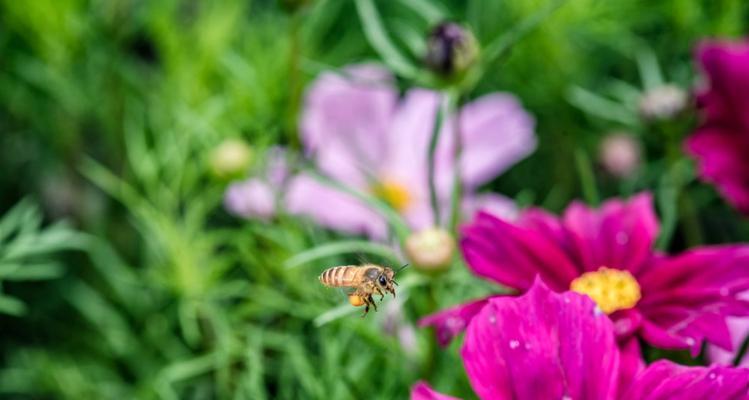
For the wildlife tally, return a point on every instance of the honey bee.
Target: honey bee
(365, 280)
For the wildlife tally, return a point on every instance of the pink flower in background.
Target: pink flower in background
(545, 345)
(361, 133)
(721, 143)
(256, 197)
(607, 253)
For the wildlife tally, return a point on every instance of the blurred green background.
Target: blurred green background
(122, 277)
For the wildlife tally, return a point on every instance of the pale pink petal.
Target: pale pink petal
(252, 198)
(345, 121)
(332, 208)
(496, 132)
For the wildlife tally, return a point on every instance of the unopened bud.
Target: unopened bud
(451, 49)
(619, 154)
(430, 249)
(231, 159)
(662, 102)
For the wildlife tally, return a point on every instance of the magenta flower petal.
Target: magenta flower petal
(422, 391)
(333, 208)
(449, 322)
(630, 362)
(739, 330)
(664, 380)
(690, 295)
(541, 345)
(513, 255)
(619, 235)
(722, 140)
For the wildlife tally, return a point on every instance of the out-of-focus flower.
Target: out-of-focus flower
(256, 197)
(361, 134)
(619, 154)
(721, 143)
(545, 345)
(431, 249)
(394, 324)
(670, 302)
(451, 49)
(231, 158)
(663, 102)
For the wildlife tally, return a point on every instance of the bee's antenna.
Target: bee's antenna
(400, 269)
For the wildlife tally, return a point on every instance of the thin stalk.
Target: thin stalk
(342, 247)
(457, 192)
(431, 165)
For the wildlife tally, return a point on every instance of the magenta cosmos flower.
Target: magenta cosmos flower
(607, 253)
(545, 345)
(360, 132)
(721, 143)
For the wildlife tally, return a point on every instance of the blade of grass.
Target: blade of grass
(342, 247)
(378, 38)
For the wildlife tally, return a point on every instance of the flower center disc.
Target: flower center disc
(611, 289)
(393, 193)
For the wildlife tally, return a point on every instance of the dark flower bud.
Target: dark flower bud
(451, 49)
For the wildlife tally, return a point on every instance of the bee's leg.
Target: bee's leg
(366, 307)
(382, 295)
(371, 300)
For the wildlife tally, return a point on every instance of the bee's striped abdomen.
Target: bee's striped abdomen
(339, 276)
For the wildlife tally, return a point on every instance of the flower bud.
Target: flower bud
(451, 49)
(430, 249)
(662, 102)
(619, 154)
(230, 159)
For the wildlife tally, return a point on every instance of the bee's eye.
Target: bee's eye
(383, 281)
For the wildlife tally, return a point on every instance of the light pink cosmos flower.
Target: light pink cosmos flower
(607, 253)
(360, 132)
(256, 197)
(545, 345)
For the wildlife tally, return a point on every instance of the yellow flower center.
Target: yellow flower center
(611, 289)
(393, 193)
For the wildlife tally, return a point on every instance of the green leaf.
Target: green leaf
(378, 38)
(12, 306)
(30, 272)
(339, 248)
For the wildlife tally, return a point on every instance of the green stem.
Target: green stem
(587, 178)
(342, 247)
(457, 192)
(431, 165)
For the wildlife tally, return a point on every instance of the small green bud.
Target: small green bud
(451, 49)
(230, 159)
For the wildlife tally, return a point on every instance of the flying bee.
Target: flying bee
(364, 280)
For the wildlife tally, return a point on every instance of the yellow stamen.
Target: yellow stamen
(611, 289)
(393, 193)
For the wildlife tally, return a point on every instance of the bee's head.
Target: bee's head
(385, 280)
